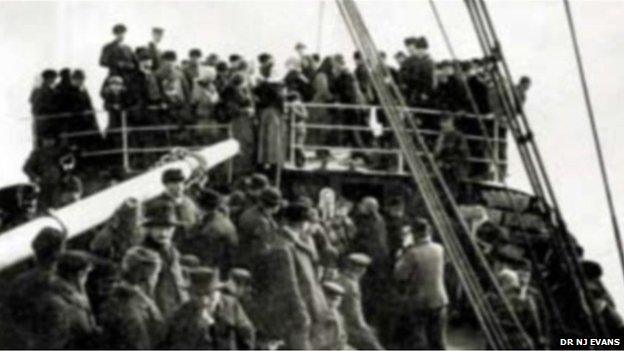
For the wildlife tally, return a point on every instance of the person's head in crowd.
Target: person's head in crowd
(212, 60)
(28, 199)
(210, 200)
(222, 68)
(524, 83)
(300, 49)
(327, 66)
(447, 122)
(316, 61)
(266, 64)
(157, 35)
(509, 281)
(78, 78)
(357, 58)
(400, 57)
(270, 200)
(74, 267)
(169, 58)
(258, 182)
(195, 55)
(173, 179)
(141, 266)
(48, 77)
(296, 216)
(72, 191)
(161, 222)
(119, 31)
(411, 45)
(441, 71)
(204, 285)
(468, 68)
(421, 230)
(396, 207)
(383, 56)
(240, 281)
(65, 77)
(234, 61)
(339, 63)
(207, 76)
(368, 205)
(115, 84)
(293, 64)
(144, 59)
(48, 245)
(334, 293)
(356, 265)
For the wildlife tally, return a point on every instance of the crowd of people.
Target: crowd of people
(244, 270)
(169, 101)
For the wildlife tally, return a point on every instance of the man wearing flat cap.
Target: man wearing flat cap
(334, 335)
(360, 334)
(419, 272)
(160, 225)
(118, 57)
(257, 226)
(30, 286)
(43, 101)
(210, 320)
(215, 242)
(254, 185)
(416, 72)
(66, 309)
(130, 317)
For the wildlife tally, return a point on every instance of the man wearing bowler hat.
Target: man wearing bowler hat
(257, 226)
(161, 224)
(210, 320)
(117, 56)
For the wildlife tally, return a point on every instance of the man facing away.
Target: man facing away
(420, 274)
(117, 56)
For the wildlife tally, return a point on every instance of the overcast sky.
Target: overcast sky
(38, 35)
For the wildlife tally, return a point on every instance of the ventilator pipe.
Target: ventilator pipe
(83, 215)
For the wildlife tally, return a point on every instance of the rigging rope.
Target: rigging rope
(451, 231)
(595, 134)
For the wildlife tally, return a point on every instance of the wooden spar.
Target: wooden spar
(82, 215)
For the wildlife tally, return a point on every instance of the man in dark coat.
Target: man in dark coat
(186, 211)
(345, 89)
(28, 287)
(152, 47)
(334, 336)
(416, 72)
(43, 101)
(210, 320)
(170, 291)
(449, 93)
(66, 309)
(83, 118)
(257, 226)
(360, 335)
(420, 275)
(117, 56)
(307, 62)
(452, 153)
(215, 243)
(130, 317)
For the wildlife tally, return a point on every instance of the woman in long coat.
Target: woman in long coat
(271, 131)
(322, 95)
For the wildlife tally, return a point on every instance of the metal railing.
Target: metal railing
(127, 148)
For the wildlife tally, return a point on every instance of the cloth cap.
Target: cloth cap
(195, 53)
(410, 41)
(237, 199)
(359, 259)
(173, 175)
(422, 43)
(119, 28)
(161, 214)
(258, 181)
(169, 55)
(72, 262)
(271, 197)
(204, 279)
(78, 74)
(592, 269)
(48, 243)
(265, 58)
(139, 257)
(49, 74)
(333, 289)
(209, 199)
(189, 261)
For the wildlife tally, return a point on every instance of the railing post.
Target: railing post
(124, 141)
(496, 150)
(292, 137)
